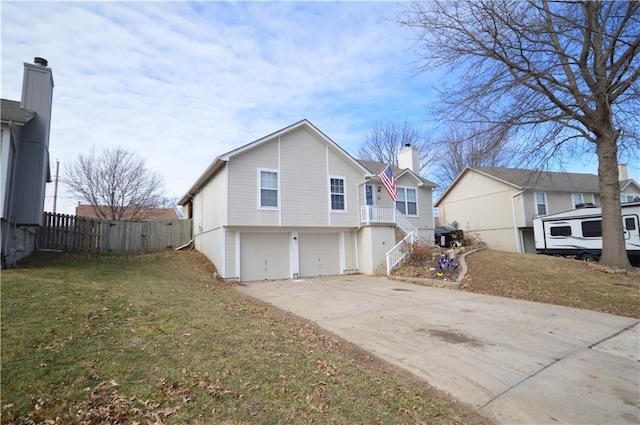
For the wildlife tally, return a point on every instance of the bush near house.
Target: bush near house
(428, 261)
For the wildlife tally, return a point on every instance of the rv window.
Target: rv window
(629, 223)
(561, 231)
(592, 229)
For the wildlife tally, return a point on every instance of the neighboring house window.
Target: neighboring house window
(268, 189)
(337, 194)
(368, 194)
(577, 199)
(407, 202)
(541, 203)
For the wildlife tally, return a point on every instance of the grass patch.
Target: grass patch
(153, 338)
(552, 280)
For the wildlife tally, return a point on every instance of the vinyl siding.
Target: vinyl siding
(304, 180)
(209, 205)
(243, 186)
(481, 205)
(304, 164)
(338, 167)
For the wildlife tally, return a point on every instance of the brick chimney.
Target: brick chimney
(409, 157)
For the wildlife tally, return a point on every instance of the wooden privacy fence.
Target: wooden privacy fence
(71, 233)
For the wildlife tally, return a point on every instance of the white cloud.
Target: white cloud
(180, 83)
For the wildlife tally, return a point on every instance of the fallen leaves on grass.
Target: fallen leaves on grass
(103, 406)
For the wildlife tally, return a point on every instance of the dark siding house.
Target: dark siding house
(24, 167)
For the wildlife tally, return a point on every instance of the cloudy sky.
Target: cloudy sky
(180, 83)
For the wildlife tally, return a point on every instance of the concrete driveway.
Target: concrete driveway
(516, 362)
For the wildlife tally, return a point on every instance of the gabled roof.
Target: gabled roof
(11, 111)
(219, 161)
(624, 184)
(544, 181)
(378, 167)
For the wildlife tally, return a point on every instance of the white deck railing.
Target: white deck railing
(370, 214)
(398, 252)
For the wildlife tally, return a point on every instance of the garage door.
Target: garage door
(319, 254)
(264, 256)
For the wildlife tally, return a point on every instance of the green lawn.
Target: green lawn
(155, 339)
(553, 280)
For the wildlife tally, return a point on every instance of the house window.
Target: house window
(541, 203)
(268, 189)
(577, 199)
(407, 202)
(592, 229)
(368, 194)
(337, 194)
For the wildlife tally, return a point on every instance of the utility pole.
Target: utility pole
(55, 190)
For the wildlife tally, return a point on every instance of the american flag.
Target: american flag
(389, 183)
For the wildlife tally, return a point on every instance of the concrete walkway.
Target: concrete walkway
(516, 362)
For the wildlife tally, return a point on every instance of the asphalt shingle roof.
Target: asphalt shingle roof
(11, 111)
(544, 180)
(376, 168)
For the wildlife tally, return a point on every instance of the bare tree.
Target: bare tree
(383, 142)
(565, 74)
(116, 183)
(470, 146)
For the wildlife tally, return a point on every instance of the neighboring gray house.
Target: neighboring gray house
(24, 162)
(499, 204)
(294, 204)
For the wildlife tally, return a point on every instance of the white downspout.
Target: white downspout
(515, 221)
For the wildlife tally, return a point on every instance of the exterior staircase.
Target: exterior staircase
(396, 254)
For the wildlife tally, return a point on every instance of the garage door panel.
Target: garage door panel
(264, 256)
(319, 254)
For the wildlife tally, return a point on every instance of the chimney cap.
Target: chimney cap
(407, 145)
(40, 61)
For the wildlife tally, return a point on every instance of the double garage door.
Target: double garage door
(272, 255)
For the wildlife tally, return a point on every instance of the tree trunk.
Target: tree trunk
(614, 253)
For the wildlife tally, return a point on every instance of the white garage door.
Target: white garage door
(264, 256)
(319, 254)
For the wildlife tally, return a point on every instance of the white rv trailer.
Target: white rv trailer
(579, 232)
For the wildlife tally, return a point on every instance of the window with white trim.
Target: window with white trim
(577, 199)
(338, 202)
(407, 202)
(268, 182)
(541, 203)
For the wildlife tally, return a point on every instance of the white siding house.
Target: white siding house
(295, 204)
